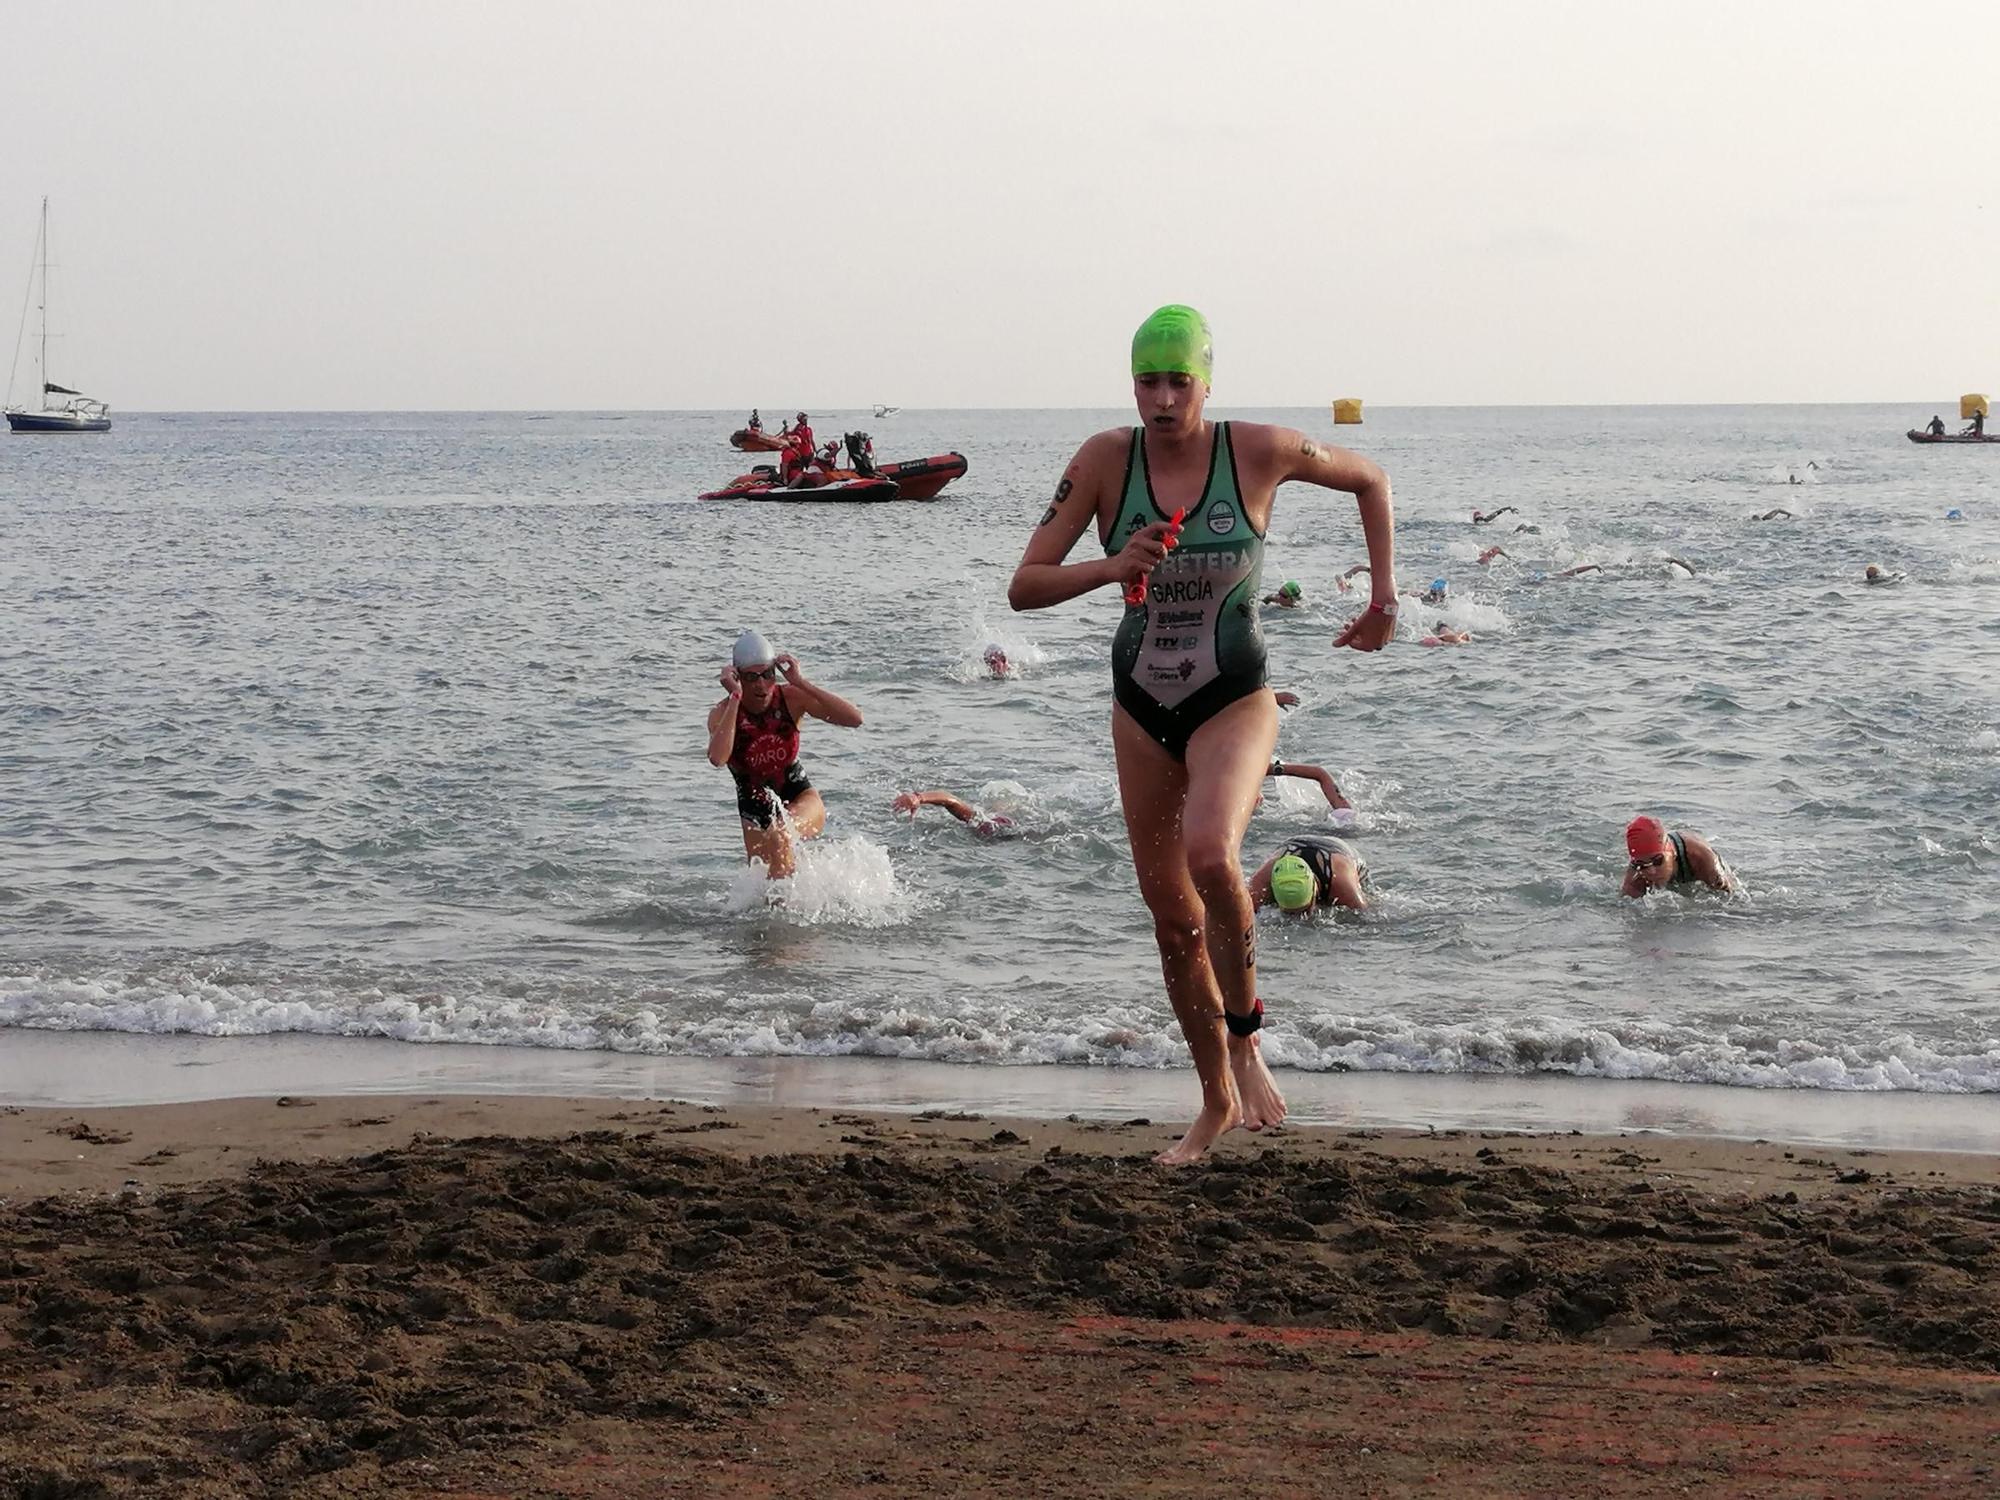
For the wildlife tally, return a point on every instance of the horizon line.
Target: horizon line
(445, 411)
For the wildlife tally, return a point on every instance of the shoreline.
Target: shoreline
(101, 1070)
(132, 1152)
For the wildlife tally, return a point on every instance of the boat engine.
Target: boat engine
(861, 454)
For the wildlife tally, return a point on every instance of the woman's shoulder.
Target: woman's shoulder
(1258, 445)
(1112, 444)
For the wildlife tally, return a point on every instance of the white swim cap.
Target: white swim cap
(752, 650)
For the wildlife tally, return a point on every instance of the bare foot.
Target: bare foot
(1215, 1121)
(1262, 1103)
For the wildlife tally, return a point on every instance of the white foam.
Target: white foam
(1024, 657)
(840, 882)
(1792, 476)
(972, 1029)
(1462, 612)
(1972, 570)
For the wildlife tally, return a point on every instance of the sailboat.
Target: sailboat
(80, 413)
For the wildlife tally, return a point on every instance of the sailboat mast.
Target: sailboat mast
(45, 302)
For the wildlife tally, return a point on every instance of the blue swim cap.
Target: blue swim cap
(1439, 586)
(1954, 514)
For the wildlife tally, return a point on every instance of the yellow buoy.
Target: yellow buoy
(1347, 411)
(1972, 406)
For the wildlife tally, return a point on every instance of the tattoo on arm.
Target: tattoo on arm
(1062, 494)
(1308, 448)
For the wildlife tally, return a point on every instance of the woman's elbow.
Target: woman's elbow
(1017, 594)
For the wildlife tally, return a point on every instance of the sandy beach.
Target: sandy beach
(336, 1296)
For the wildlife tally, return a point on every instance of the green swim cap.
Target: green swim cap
(1174, 340)
(1291, 590)
(1293, 885)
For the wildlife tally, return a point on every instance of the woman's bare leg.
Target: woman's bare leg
(807, 814)
(802, 818)
(1151, 785)
(1226, 761)
(771, 847)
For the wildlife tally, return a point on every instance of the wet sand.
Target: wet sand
(344, 1296)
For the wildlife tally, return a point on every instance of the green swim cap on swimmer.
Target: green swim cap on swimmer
(1293, 885)
(1174, 340)
(1291, 590)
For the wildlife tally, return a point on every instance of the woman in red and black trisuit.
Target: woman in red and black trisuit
(755, 732)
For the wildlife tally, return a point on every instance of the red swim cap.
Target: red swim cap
(1645, 837)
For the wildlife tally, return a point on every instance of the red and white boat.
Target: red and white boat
(834, 489)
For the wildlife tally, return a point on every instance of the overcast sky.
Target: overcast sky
(503, 204)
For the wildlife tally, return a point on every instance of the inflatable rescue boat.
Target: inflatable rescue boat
(767, 487)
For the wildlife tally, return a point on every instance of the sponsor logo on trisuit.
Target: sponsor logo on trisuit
(1222, 518)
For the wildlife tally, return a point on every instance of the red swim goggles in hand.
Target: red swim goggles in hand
(1135, 591)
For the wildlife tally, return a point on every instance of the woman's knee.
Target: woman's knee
(1178, 932)
(1212, 862)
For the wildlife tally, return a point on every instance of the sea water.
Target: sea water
(393, 726)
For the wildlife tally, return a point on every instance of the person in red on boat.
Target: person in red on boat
(754, 731)
(798, 453)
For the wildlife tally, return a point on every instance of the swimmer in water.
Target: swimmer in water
(1443, 635)
(986, 825)
(1481, 517)
(1344, 581)
(1291, 596)
(1318, 775)
(1681, 562)
(1657, 859)
(1194, 722)
(1776, 513)
(1312, 872)
(1876, 573)
(996, 661)
(1492, 552)
(754, 731)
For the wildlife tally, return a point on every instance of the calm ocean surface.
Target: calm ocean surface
(392, 725)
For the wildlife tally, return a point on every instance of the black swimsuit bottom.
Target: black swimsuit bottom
(758, 804)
